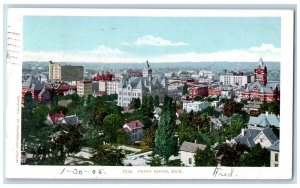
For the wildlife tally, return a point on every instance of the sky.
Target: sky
(157, 39)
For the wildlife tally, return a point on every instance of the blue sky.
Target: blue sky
(158, 39)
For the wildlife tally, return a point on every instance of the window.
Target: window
(276, 157)
(190, 160)
(276, 165)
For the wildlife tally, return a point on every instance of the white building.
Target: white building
(110, 87)
(54, 71)
(139, 87)
(234, 79)
(187, 152)
(274, 157)
(84, 88)
(195, 106)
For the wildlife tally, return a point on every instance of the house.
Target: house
(264, 120)
(187, 152)
(62, 119)
(195, 106)
(274, 157)
(254, 135)
(135, 131)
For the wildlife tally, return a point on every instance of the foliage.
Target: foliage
(205, 157)
(229, 155)
(155, 160)
(149, 136)
(111, 124)
(184, 89)
(257, 156)
(210, 111)
(156, 101)
(235, 126)
(272, 107)
(135, 103)
(176, 162)
(107, 155)
(231, 107)
(199, 98)
(122, 137)
(201, 122)
(254, 113)
(165, 140)
(186, 133)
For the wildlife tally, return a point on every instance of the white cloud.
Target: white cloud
(104, 50)
(150, 40)
(265, 48)
(267, 51)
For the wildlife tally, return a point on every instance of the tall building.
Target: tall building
(260, 89)
(261, 73)
(54, 71)
(65, 72)
(235, 79)
(84, 88)
(109, 87)
(139, 87)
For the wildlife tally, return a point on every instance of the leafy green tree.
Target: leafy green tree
(122, 137)
(205, 157)
(235, 126)
(186, 133)
(184, 89)
(149, 136)
(107, 155)
(165, 140)
(156, 101)
(201, 122)
(135, 103)
(176, 162)
(199, 98)
(229, 155)
(257, 156)
(151, 103)
(173, 74)
(210, 111)
(231, 107)
(156, 160)
(111, 124)
(272, 107)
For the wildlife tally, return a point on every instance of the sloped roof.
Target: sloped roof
(251, 133)
(57, 117)
(274, 146)
(72, 120)
(264, 120)
(191, 147)
(134, 124)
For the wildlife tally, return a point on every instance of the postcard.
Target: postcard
(149, 93)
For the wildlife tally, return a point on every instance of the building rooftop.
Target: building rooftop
(191, 147)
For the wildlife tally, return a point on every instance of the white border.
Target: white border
(15, 170)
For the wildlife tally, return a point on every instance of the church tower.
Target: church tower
(261, 73)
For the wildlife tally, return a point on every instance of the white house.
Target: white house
(187, 152)
(135, 131)
(256, 135)
(195, 106)
(274, 157)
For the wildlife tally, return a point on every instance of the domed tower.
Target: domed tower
(261, 73)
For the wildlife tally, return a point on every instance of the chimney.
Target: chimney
(126, 121)
(267, 113)
(243, 132)
(195, 141)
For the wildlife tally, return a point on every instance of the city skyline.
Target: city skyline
(158, 39)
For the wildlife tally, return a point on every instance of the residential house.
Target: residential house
(274, 157)
(264, 120)
(256, 135)
(187, 152)
(195, 106)
(135, 131)
(62, 119)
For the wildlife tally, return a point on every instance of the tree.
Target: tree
(107, 155)
(122, 137)
(155, 160)
(151, 103)
(257, 156)
(231, 107)
(272, 107)
(199, 98)
(184, 89)
(210, 111)
(229, 155)
(135, 103)
(235, 126)
(205, 157)
(186, 133)
(165, 140)
(111, 124)
(156, 101)
(201, 122)
(149, 136)
(173, 74)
